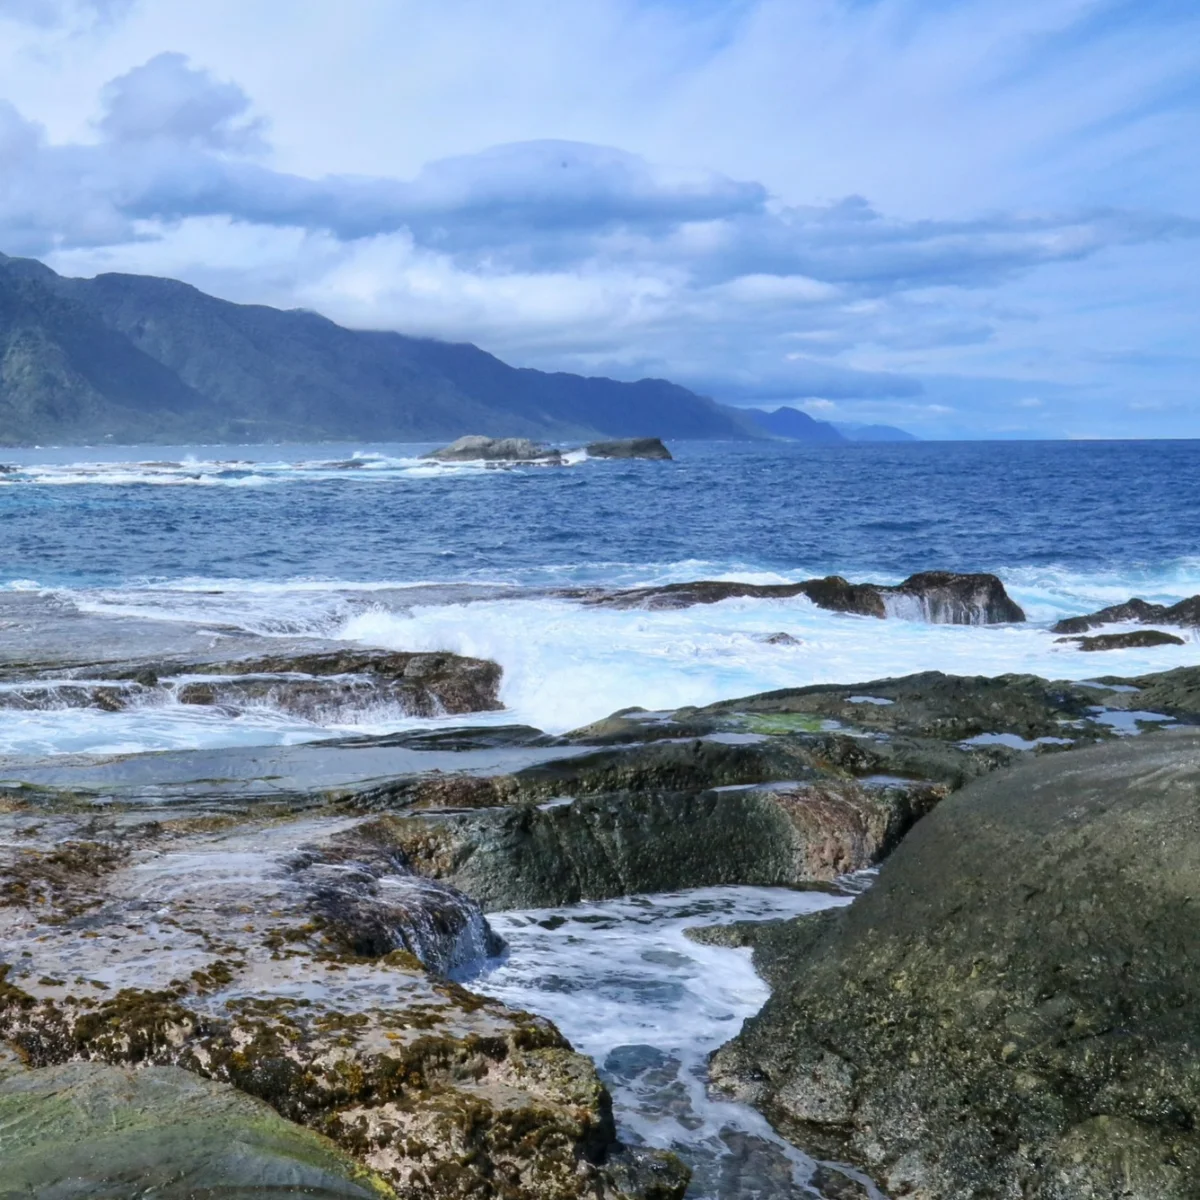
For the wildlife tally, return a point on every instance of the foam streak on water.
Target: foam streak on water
(625, 985)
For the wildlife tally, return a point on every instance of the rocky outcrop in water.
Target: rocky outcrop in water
(1137, 639)
(474, 448)
(651, 448)
(1008, 1011)
(941, 597)
(1185, 613)
(313, 684)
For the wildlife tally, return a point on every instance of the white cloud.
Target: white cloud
(1022, 162)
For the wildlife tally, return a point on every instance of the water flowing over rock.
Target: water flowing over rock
(939, 597)
(1185, 613)
(1008, 1012)
(314, 685)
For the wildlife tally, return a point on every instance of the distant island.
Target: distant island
(796, 425)
(134, 358)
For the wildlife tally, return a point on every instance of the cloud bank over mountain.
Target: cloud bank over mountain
(941, 303)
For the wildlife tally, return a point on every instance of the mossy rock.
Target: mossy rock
(87, 1130)
(1009, 1012)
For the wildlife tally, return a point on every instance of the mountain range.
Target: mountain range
(796, 425)
(133, 358)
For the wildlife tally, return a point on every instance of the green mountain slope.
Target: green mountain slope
(137, 358)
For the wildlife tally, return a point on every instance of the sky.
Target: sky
(969, 218)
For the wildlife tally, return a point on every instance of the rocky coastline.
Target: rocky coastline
(266, 938)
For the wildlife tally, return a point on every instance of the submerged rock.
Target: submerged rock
(475, 448)
(1137, 639)
(1009, 1011)
(97, 1132)
(629, 448)
(1186, 613)
(940, 597)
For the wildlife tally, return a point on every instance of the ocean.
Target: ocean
(369, 544)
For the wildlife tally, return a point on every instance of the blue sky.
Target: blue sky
(966, 217)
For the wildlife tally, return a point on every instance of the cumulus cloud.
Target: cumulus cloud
(167, 99)
(560, 253)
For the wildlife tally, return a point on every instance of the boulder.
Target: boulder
(89, 1131)
(948, 598)
(1186, 613)
(940, 597)
(1010, 1011)
(474, 448)
(1136, 639)
(629, 448)
(799, 834)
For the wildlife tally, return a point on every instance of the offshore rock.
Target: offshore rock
(1137, 639)
(93, 1131)
(1185, 613)
(940, 597)
(1009, 1011)
(475, 448)
(629, 448)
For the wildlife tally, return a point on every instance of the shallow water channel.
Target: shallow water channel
(625, 985)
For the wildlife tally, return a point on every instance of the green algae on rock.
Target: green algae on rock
(113, 1132)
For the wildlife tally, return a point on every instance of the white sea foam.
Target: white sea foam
(192, 471)
(628, 988)
(566, 663)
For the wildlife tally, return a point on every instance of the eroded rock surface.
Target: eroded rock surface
(941, 597)
(1138, 638)
(795, 787)
(303, 964)
(1008, 1012)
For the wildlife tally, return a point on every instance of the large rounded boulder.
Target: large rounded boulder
(1013, 1011)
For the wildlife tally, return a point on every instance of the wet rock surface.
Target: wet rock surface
(296, 960)
(1185, 613)
(1008, 1011)
(941, 597)
(314, 684)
